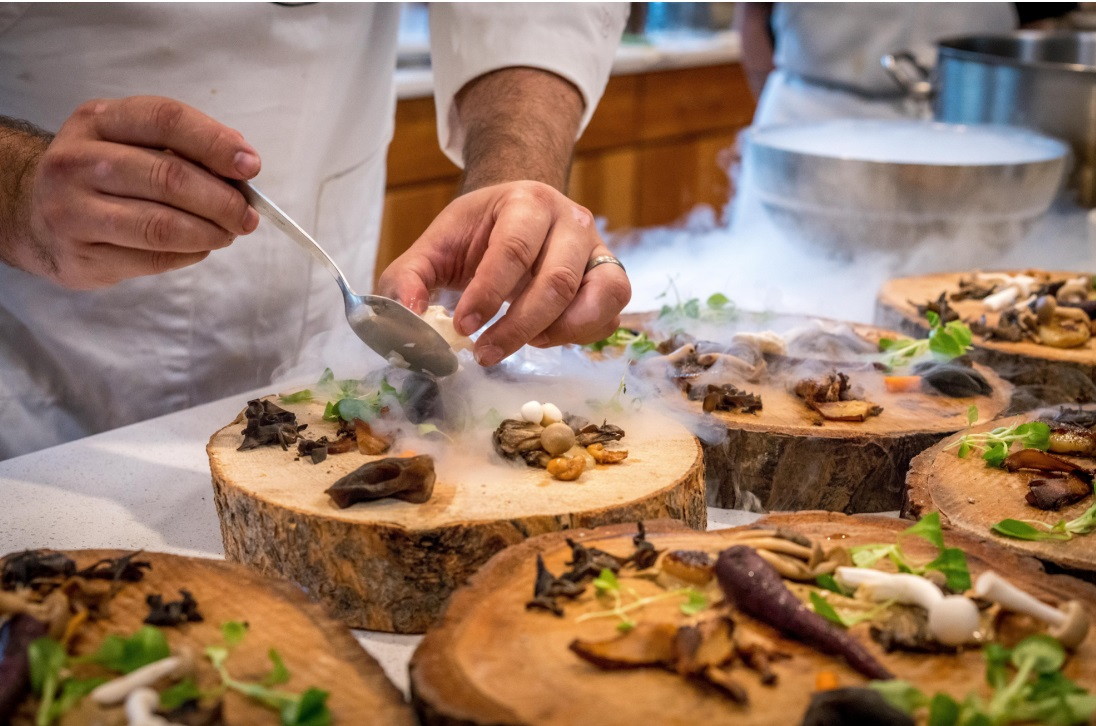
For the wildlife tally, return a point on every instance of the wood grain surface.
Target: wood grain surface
(390, 565)
(788, 462)
(528, 675)
(317, 650)
(1057, 375)
(972, 497)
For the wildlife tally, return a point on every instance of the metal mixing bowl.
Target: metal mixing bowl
(856, 184)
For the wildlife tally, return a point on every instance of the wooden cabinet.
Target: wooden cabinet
(657, 146)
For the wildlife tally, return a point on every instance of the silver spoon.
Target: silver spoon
(382, 323)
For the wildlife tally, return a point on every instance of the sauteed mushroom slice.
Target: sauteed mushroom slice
(410, 479)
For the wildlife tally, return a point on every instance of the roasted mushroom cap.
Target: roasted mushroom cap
(410, 479)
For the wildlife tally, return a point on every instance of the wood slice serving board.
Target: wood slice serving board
(391, 565)
(529, 676)
(789, 463)
(972, 497)
(1061, 375)
(318, 651)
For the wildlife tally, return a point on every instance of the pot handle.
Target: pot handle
(913, 78)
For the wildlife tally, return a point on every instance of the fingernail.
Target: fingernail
(251, 220)
(470, 323)
(488, 355)
(246, 163)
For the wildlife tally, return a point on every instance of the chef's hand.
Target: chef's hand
(522, 242)
(131, 187)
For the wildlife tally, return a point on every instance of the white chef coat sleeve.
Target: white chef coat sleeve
(576, 41)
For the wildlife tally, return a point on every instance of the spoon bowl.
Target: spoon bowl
(391, 330)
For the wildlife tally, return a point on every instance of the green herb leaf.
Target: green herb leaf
(696, 602)
(823, 608)
(691, 308)
(1022, 530)
(625, 625)
(327, 378)
(233, 632)
(997, 659)
(972, 415)
(299, 397)
(279, 674)
(310, 710)
(952, 561)
(718, 301)
(903, 695)
(175, 696)
(47, 658)
(943, 710)
(1044, 653)
(355, 408)
(606, 581)
(829, 582)
(125, 655)
(927, 528)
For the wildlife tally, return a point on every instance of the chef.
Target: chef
(124, 291)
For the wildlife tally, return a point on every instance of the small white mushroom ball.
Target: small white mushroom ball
(550, 414)
(532, 411)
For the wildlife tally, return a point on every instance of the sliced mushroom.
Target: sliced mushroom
(647, 644)
(410, 479)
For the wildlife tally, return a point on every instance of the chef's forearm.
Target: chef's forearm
(520, 123)
(21, 146)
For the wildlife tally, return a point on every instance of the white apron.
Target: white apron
(310, 86)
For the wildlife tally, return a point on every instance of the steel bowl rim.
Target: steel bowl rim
(751, 133)
(946, 49)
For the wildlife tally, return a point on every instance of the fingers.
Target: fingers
(137, 173)
(555, 283)
(142, 225)
(408, 281)
(164, 123)
(523, 223)
(102, 264)
(594, 313)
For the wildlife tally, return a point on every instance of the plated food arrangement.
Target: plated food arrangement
(108, 637)
(328, 492)
(1024, 481)
(799, 618)
(1033, 326)
(813, 413)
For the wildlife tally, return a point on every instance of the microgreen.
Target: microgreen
(1036, 531)
(306, 709)
(951, 561)
(995, 444)
(1036, 692)
(945, 341)
(125, 655)
(175, 696)
(303, 396)
(349, 399)
(972, 415)
(823, 607)
(717, 307)
(608, 588)
(635, 343)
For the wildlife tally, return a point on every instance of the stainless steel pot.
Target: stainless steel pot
(1040, 80)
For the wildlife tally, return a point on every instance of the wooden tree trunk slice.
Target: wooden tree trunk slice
(1058, 375)
(391, 565)
(780, 456)
(528, 676)
(972, 497)
(318, 651)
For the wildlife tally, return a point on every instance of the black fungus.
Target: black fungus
(268, 425)
(421, 399)
(725, 397)
(548, 588)
(954, 380)
(126, 568)
(590, 561)
(172, 612)
(645, 554)
(23, 568)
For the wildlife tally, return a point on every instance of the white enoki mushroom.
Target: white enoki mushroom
(1001, 299)
(141, 706)
(114, 692)
(953, 619)
(1074, 290)
(1068, 625)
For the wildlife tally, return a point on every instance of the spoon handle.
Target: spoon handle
(285, 223)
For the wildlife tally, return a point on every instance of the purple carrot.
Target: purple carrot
(757, 589)
(14, 665)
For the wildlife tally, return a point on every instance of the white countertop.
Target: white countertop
(661, 53)
(147, 486)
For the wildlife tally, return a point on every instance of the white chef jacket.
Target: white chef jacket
(827, 54)
(310, 86)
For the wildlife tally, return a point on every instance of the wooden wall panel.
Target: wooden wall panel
(653, 150)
